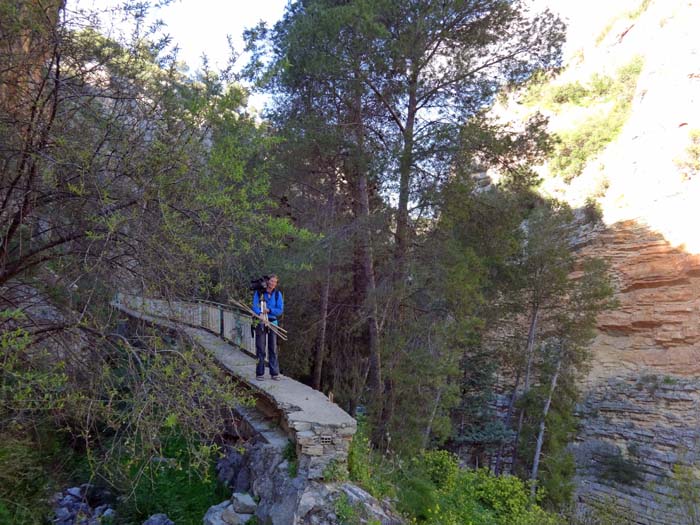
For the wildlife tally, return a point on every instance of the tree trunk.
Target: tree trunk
(321, 345)
(365, 246)
(506, 423)
(405, 166)
(528, 370)
(540, 435)
(319, 353)
(429, 427)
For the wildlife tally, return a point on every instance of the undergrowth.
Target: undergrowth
(611, 102)
(432, 488)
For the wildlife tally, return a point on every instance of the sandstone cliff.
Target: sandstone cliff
(641, 406)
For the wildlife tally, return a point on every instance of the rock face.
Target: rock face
(279, 497)
(639, 444)
(641, 408)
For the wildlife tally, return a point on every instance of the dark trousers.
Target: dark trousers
(266, 338)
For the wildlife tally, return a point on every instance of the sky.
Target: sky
(202, 26)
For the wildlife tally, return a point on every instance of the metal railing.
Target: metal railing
(229, 322)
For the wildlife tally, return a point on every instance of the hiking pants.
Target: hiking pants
(265, 338)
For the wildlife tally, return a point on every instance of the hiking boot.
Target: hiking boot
(276, 378)
(260, 378)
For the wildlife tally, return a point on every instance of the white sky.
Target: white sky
(202, 26)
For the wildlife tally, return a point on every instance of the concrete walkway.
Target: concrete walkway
(321, 430)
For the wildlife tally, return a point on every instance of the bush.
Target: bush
(689, 165)
(172, 486)
(436, 491)
(615, 467)
(481, 497)
(290, 454)
(440, 467)
(578, 146)
(593, 211)
(34, 464)
(431, 488)
(372, 471)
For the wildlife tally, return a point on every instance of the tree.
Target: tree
(567, 351)
(434, 66)
(320, 52)
(393, 86)
(117, 172)
(544, 266)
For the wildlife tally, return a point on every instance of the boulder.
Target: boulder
(214, 514)
(159, 519)
(243, 503)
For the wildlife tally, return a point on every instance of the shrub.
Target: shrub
(335, 471)
(615, 467)
(689, 165)
(436, 491)
(372, 471)
(440, 467)
(481, 497)
(576, 147)
(173, 486)
(592, 211)
(33, 464)
(290, 454)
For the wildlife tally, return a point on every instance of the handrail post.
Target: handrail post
(221, 321)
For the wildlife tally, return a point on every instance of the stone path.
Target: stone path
(321, 430)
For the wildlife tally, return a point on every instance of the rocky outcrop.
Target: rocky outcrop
(655, 325)
(279, 495)
(83, 505)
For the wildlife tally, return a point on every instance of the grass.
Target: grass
(629, 15)
(173, 487)
(34, 463)
(290, 454)
(613, 98)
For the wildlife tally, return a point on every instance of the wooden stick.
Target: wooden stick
(245, 307)
(249, 310)
(278, 330)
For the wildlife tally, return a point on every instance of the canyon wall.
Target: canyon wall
(638, 446)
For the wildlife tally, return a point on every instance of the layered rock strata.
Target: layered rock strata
(640, 414)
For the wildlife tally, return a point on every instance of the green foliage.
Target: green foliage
(290, 454)
(615, 467)
(335, 471)
(556, 480)
(606, 511)
(629, 15)
(689, 165)
(173, 484)
(613, 99)
(26, 389)
(685, 483)
(344, 510)
(592, 210)
(469, 497)
(34, 463)
(369, 469)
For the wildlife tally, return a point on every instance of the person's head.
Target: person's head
(272, 281)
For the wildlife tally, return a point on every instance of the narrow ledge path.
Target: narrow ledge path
(320, 429)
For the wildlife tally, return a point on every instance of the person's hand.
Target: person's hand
(267, 310)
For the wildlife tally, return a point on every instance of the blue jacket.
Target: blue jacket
(275, 303)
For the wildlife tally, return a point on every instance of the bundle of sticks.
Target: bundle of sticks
(277, 330)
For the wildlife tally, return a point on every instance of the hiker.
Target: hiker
(264, 337)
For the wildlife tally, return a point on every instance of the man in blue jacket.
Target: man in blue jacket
(274, 303)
